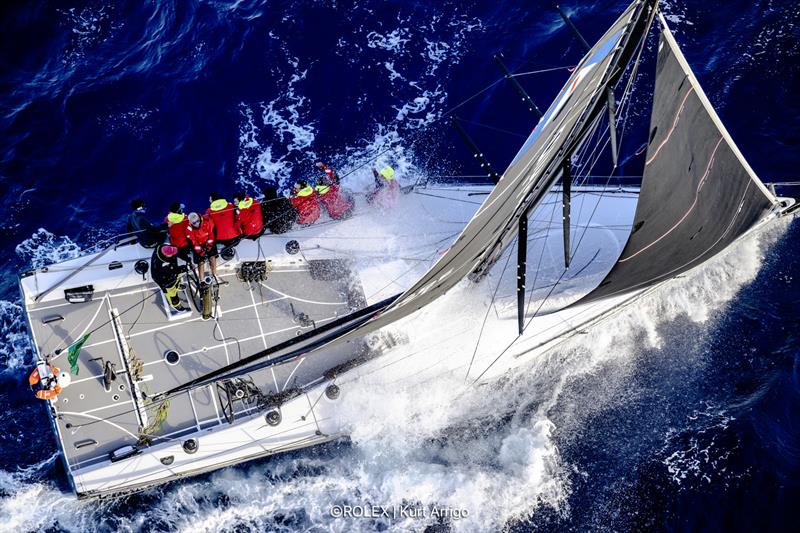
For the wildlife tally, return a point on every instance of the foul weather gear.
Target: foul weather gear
(386, 191)
(338, 203)
(202, 237)
(251, 222)
(223, 214)
(306, 201)
(177, 224)
(149, 235)
(166, 273)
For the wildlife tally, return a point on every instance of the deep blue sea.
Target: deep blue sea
(691, 425)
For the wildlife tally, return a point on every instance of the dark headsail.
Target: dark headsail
(698, 193)
(523, 186)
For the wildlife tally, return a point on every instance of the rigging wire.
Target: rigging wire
(488, 309)
(494, 128)
(625, 99)
(444, 115)
(58, 349)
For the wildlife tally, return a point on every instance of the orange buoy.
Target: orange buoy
(49, 393)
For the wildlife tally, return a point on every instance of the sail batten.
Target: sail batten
(698, 192)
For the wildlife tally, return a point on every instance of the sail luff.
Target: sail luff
(701, 94)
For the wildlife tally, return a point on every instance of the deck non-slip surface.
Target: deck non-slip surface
(249, 317)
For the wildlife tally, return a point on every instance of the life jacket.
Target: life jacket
(202, 238)
(223, 214)
(251, 222)
(307, 204)
(338, 204)
(177, 223)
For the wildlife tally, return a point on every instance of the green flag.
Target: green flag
(73, 352)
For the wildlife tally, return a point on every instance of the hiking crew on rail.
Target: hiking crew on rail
(202, 237)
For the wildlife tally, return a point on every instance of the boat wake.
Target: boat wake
(428, 443)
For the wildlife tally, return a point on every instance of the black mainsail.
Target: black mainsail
(524, 184)
(698, 193)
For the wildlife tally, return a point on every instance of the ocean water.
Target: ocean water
(681, 415)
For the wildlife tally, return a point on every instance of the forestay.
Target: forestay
(698, 193)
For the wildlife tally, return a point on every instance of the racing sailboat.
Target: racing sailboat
(261, 365)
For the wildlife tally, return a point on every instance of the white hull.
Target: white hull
(312, 417)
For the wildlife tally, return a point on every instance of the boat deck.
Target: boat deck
(133, 330)
(342, 266)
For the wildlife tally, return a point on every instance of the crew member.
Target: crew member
(248, 213)
(177, 222)
(386, 189)
(278, 211)
(223, 214)
(166, 272)
(200, 233)
(306, 201)
(337, 203)
(149, 234)
(329, 173)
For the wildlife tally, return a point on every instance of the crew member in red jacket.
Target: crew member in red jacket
(200, 233)
(386, 190)
(306, 201)
(223, 214)
(337, 203)
(248, 213)
(177, 222)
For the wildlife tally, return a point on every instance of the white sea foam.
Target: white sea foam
(16, 350)
(393, 41)
(90, 26)
(284, 121)
(43, 248)
(418, 103)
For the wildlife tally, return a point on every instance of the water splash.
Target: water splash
(44, 248)
(16, 350)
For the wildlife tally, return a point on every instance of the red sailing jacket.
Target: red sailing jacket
(223, 214)
(337, 204)
(306, 202)
(177, 223)
(251, 222)
(202, 238)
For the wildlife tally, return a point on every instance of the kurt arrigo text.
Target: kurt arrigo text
(397, 511)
